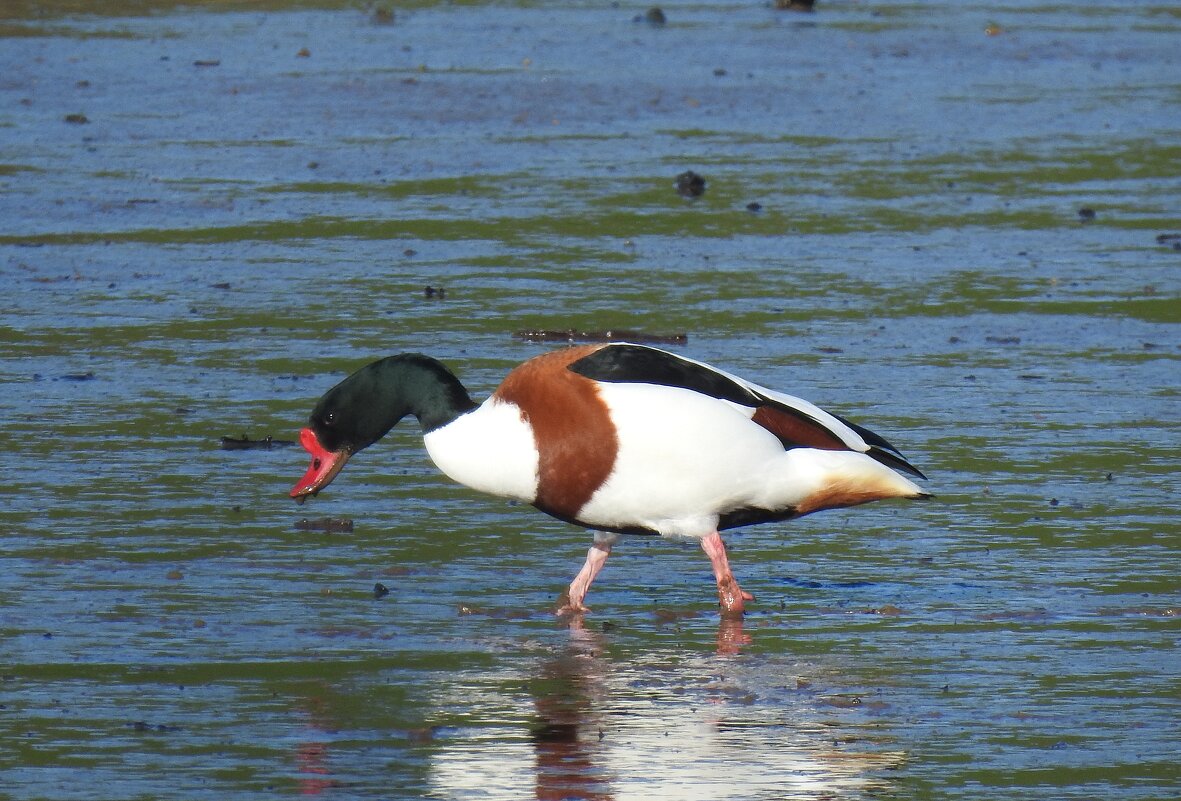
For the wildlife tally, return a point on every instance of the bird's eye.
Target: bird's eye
(330, 418)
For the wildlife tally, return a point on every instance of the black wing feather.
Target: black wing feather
(644, 365)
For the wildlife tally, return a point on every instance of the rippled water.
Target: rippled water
(208, 215)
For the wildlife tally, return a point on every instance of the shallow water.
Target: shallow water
(253, 206)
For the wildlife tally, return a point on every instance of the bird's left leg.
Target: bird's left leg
(731, 597)
(571, 600)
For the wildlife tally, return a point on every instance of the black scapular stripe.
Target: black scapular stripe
(643, 365)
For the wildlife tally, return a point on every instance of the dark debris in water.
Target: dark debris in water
(163, 728)
(622, 335)
(795, 5)
(690, 184)
(329, 525)
(244, 443)
(653, 16)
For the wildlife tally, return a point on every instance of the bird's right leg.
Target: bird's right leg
(571, 601)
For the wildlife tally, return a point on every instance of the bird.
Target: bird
(618, 438)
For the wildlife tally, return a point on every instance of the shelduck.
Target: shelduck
(621, 439)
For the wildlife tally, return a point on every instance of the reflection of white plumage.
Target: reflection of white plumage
(641, 733)
(618, 438)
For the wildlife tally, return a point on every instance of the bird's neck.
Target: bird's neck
(419, 385)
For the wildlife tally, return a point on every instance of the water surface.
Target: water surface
(209, 214)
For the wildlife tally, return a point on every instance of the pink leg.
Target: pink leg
(731, 597)
(571, 600)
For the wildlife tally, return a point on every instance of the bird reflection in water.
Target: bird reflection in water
(568, 696)
(604, 716)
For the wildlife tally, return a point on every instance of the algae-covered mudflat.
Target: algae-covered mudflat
(953, 223)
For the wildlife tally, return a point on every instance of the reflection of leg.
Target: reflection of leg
(731, 637)
(731, 597)
(596, 557)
